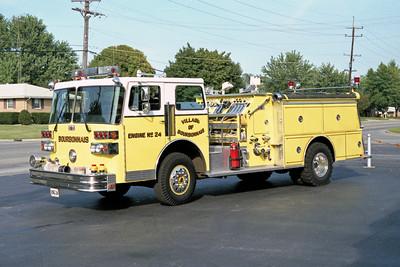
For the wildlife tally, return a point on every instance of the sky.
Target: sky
(253, 31)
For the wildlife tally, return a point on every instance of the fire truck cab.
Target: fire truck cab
(108, 134)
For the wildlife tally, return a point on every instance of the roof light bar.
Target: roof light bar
(107, 71)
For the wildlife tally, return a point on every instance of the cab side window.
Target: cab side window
(135, 101)
(189, 97)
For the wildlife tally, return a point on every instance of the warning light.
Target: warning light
(291, 84)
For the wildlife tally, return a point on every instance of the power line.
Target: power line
(382, 41)
(377, 19)
(86, 14)
(377, 53)
(36, 52)
(236, 13)
(282, 15)
(205, 32)
(185, 57)
(279, 27)
(210, 13)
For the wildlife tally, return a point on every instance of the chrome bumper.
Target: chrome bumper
(78, 182)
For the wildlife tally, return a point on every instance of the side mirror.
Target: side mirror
(51, 85)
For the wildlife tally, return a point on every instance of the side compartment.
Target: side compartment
(294, 150)
(354, 145)
(302, 119)
(340, 118)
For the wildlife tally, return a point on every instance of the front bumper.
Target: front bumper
(78, 182)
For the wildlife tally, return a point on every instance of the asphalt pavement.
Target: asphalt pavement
(15, 156)
(354, 221)
(379, 131)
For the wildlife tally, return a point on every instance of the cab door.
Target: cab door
(144, 130)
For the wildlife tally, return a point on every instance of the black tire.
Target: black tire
(120, 191)
(178, 189)
(317, 165)
(254, 177)
(295, 175)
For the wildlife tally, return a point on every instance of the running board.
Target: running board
(211, 174)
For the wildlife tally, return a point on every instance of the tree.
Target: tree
(364, 104)
(394, 72)
(213, 66)
(289, 66)
(129, 59)
(329, 76)
(4, 33)
(29, 53)
(383, 86)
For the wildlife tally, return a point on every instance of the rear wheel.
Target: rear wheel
(317, 165)
(121, 190)
(176, 180)
(255, 177)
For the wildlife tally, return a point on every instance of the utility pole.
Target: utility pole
(19, 55)
(86, 14)
(352, 55)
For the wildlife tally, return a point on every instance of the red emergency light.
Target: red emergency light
(356, 80)
(291, 84)
(46, 134)
(106, 135)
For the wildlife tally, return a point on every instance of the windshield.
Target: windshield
(94, 104)
(61, 110)
(99, 104)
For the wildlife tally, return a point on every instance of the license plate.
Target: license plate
(55, 192)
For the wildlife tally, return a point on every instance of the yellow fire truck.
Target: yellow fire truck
(110, 133)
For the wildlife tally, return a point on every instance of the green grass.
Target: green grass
(374, 118)
(395, 130)
(379, 118)
(18, 131)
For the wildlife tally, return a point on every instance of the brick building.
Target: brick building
(16, 97)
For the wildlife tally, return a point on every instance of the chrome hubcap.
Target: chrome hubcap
(179, 180)
(320, 164)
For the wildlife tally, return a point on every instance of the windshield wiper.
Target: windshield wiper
(59, 116)
(84, 121)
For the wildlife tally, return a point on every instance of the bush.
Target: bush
(40, 117)
(9, 117)
(25, 117)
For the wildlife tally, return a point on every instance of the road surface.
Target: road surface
(354, 221)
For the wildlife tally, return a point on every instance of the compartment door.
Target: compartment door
(354, 145)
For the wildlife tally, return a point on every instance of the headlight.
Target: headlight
(104, 148)
(72, 155)
(48, 146)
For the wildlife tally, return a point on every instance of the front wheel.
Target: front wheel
(176, 180)
(317, 165)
